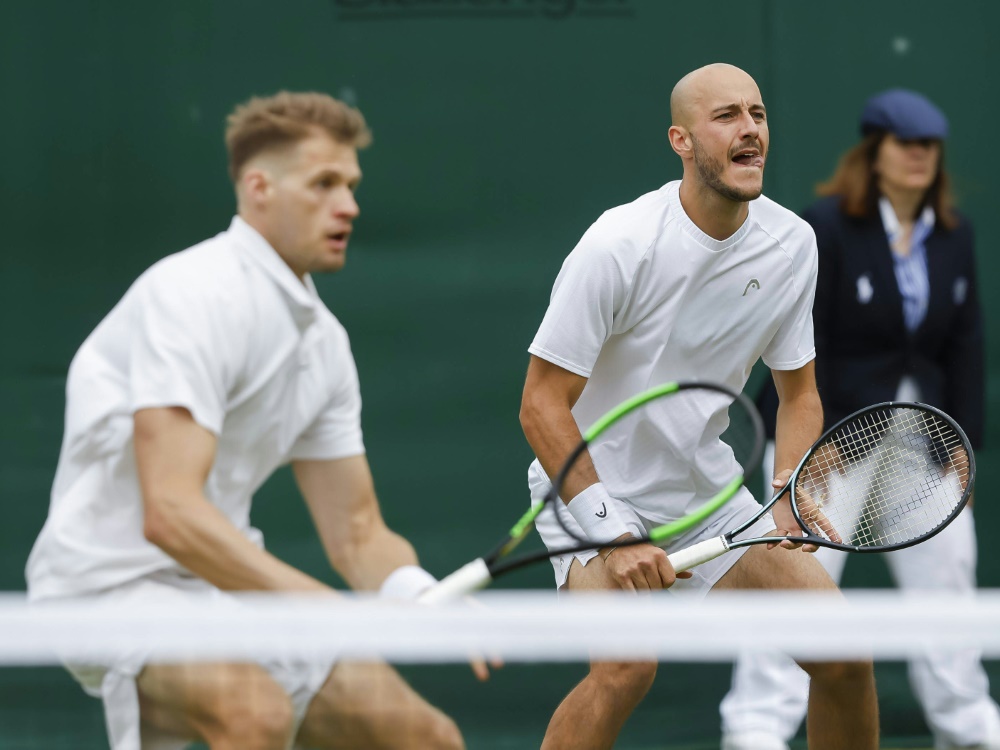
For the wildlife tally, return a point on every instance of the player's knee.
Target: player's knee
(632, 679)
(840, 673)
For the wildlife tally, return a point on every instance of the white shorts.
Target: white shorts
(703, 578)
(115, 681)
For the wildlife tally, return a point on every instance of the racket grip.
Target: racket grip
(470, 577)
(696, 554)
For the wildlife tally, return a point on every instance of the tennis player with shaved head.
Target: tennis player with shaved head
(220, 364)
(696, 280)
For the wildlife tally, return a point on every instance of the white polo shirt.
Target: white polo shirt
(646, 298)
(226, 330)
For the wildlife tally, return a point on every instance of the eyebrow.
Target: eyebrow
(323, 171)
(733, 106)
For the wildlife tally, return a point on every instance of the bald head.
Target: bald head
(721, 134)
(702, 87)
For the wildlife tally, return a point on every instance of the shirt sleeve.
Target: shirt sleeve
(336, 432)
(588, 293)
(182, 350)
(793, 345)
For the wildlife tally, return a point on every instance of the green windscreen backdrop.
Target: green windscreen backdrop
(503, 128)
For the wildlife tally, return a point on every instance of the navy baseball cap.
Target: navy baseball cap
(906, 114)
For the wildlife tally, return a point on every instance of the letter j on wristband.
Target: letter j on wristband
(603, 518)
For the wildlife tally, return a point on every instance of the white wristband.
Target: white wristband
(604, 518)
(406, 583)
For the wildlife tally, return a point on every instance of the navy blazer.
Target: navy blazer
(862, 346)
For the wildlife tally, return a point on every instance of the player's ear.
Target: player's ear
(680, 141)
(255, 186)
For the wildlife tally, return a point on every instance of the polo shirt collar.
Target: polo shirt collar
(302, 297)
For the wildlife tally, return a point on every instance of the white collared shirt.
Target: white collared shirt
(910, 267)
(226, 330)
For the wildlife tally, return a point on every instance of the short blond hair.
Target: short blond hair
(284, 119)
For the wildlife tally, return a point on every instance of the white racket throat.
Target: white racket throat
(470, 577)
(695, 555)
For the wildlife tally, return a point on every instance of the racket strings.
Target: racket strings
(887, 477)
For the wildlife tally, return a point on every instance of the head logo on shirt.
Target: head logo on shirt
(752, 284)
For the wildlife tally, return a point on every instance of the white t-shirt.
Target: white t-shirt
(646, 298)
(226, 330)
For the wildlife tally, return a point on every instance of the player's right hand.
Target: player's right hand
(640, 567)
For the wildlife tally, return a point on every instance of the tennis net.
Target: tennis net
(545, 641)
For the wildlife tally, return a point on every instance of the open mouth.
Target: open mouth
(749, 157)
(339, 238)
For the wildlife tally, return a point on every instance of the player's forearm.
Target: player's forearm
(198, 536)
(798, 425)
(366, 561)
(552, 434)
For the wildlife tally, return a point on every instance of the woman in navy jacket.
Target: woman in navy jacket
(864, 346)
(896, 318)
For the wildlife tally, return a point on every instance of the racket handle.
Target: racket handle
(696, 554)
(470, 577)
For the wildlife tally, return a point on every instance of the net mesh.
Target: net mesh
(888, 477)
(546, 642)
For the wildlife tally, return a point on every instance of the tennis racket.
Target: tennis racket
(888, 476)
(686, 407)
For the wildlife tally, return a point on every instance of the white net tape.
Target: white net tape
(523, 626)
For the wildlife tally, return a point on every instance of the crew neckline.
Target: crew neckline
(709, 243)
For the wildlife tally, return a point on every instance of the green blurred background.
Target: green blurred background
(503, 128)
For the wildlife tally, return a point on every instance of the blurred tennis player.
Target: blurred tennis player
(698, 279)
(220, 364)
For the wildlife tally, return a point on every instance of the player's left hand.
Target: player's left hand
(784, 520)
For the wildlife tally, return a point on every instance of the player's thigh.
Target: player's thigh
(370, 706)
(212, 700)
(631, 679)
(761, 568)
(590, 576)
(778, 568)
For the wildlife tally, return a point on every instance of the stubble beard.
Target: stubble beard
(710, 171)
